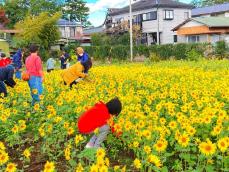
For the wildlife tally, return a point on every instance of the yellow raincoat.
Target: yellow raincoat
(72, 73)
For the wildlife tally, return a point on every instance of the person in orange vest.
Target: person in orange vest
(97, 117)
(74, 74)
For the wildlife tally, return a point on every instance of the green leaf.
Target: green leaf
(209, 168)
(164, 169)
(72, 163)
(88, 154)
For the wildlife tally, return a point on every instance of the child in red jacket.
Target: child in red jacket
(4, 61)
(97, 117)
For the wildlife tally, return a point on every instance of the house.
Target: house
(70, 31)
(204, 29)
(87, 32)
(152, 16)
(208, 24)
(221, 10)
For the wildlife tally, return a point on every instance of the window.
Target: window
(193, 38)
(175, 38)
(137, 19)
(72, 32)
(150, 16)
(186, 15)
(169, 15)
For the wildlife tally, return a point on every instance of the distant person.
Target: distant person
(17, 61)
(33, 65)
(50, 64)
(83, 57)
(97, 117)
(6, 77)
(64, 59)
(4, 61)
(74, 74)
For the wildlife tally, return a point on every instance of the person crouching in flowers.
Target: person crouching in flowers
(83, 57)
(97, 117)
(74, 74)
(6, 77)
(33, 65)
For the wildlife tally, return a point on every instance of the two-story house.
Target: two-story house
(153, 16)
(208, 24)
(69, 30)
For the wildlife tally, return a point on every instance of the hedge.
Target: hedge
(121, 52)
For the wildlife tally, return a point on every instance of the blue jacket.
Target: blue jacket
(84, 58)
(63, 60)
(6, 77)
(17, 61)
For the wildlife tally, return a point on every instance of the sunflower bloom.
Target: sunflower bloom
(207, 148)
(49, 167)
(154, 160)
(137, 163)
(11, 167)
(222, 145)
(160, 145)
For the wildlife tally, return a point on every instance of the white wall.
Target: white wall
(165, 26)
(192, 24)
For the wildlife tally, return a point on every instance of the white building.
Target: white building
(69, 30)
(152, 15)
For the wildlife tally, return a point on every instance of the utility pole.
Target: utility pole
(158, 24)
(131, 33)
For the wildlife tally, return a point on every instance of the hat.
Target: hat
(3, 55)
(80, 50)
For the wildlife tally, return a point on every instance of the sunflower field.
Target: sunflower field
(175, 117)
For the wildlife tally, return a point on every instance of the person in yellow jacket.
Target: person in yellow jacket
(73, 74)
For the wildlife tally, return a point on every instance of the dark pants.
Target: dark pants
(63, 66)
(3, 89)
(71, 85)
(49, 70)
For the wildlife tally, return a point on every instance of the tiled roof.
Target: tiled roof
(211, 9)
(92, 30)
(63, 22)
(211, 22)
(147, 4)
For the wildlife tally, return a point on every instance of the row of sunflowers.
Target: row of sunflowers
(174, 118)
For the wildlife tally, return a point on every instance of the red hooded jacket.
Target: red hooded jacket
(95, 117)
(5, 62)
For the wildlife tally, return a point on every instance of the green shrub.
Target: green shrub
(154, 57)
(122, 52)
(193, 55)
(221, 49)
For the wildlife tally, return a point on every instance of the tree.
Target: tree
(196, 3)
(39, 29)
(136, 33)
(3, 19)
(76, 10)
(18, 9)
